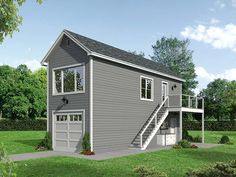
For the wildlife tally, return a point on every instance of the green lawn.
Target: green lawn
(173, 162)
(21, 141)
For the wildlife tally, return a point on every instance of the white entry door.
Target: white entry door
(164, 91)
(68, 131)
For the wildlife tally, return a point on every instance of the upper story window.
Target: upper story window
(69, 80)
(146, 92)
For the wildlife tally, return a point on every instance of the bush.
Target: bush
(218, 170)
(46, 143)
(143, 171)
(86, 145)
(184, 144)
(7, 167)
(176, 146)
(190, 138)
(11, 125)
(193, 146)
(210, 125)
(186, 136)
(224, 140)
(197, 139)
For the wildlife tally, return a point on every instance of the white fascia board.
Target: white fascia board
(134, 66)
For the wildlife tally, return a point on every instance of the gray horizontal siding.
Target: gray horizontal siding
(64, 56)
(118, 111)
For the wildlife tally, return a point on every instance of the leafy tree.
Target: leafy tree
(216, 103)
(174, 53)
(141, 54)
(22, 93)
(17, 107)
(230, 96)
(10, 20)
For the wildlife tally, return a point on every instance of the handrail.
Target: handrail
(154, 116)
(188, 100)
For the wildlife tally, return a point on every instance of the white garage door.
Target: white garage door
(68, 131)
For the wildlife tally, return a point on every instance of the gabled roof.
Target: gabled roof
(101, 50)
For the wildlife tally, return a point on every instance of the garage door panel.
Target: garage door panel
(75, 126)
(61, 143)
(61, 126)
(75, 135)
(68, 131)
(61, 135)
(74, 144)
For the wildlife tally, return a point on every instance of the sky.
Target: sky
(132, 25)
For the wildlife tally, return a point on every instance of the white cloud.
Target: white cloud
(220, 4)
(233, 2)
(33, 64)
(214, 21)
(218, 37)
(229, 74)
(204, 77)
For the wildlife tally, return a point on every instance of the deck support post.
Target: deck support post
(180, 124)
(203, 128)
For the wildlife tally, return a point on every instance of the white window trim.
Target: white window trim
(62, 80)
(152, 89)
(54, 113)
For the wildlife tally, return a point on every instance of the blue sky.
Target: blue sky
(131, 25)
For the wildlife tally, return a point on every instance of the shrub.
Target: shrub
(190, 138)
(218, 170)
(176, 146)
(224, 140)
(86, 142)
(46, 143)
(210, 125)
(186, 136)
(197, 139)
(7, 167)
(143, 171)
(184, 144)
(86, 145)
(11, 125)
(193, 146)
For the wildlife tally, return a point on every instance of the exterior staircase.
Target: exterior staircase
(151, 126)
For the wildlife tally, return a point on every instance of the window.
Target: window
(76, 117)
(71, 117)
(69, 80)
(61, 118)
(146, 88)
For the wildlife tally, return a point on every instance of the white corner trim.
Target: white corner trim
(47, 98)
(91, 103)
(152, 89)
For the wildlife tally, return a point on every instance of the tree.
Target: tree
(230, 96)
(174, 53)
(10, 20)
(216, 103)
(141, 54)
(22, 93)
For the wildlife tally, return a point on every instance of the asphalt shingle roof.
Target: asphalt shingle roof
(104, 49)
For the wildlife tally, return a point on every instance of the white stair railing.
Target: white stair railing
(152, 118)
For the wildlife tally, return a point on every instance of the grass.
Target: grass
(174, 162)
(17, 142)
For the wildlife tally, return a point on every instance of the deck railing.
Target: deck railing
(186, 101)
